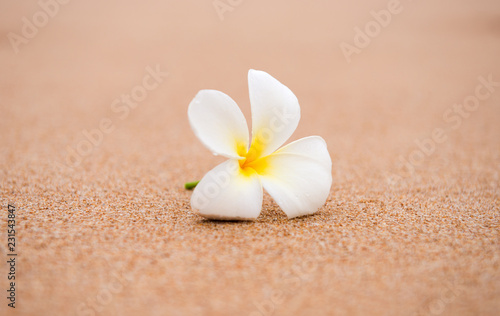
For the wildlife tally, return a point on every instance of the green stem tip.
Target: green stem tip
(191, 185)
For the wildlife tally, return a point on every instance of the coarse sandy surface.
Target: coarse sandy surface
(411, 226)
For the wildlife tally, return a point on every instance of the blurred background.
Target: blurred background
(374, 78)
(66, 72)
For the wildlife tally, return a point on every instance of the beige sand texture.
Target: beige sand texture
(115, 234)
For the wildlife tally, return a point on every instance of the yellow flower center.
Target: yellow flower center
(253, 162)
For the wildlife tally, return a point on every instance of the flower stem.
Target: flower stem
(191, 185)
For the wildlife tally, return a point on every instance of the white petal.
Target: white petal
(219, 123)
(299, 176)
(275, 112)
(225, 192)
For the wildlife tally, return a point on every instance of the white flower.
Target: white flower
(298, 175)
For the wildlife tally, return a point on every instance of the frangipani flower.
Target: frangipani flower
(297, 176)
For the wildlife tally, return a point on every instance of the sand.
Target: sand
(411, 226)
